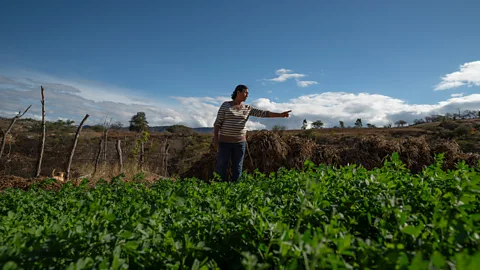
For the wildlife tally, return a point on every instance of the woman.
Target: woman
(230, 132)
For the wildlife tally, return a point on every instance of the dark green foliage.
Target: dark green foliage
(317, 218)
(57, 126)
(317, 124)
(180, 129)
(138, 122)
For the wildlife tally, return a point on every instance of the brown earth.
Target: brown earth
(190, 155)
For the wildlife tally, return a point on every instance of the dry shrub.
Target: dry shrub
(450, 149)
(325, 154)
(204, 168)
(300, 149)
(415, 153)
(10, 181)
(267, 151)
(470, 158)
(372, 151)
(369, 151)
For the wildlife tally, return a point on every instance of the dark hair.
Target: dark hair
(240, 88)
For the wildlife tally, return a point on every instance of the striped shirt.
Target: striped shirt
(232, 120)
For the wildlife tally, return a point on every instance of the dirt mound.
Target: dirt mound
(415, 152)
(368, 151)
(10, 181)
(326, 154)
(267, 152)
(204, 168)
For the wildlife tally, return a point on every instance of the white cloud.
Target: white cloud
(69, 101)
(286, 74)
(282, 71)
(457, 95)
(469, 74)
(254, 125)
(306, 83)
(379, 110)
(270, 91)
(89, 90)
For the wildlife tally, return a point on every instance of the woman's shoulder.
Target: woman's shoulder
(226, 103)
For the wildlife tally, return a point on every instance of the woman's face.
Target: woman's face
(243, 94)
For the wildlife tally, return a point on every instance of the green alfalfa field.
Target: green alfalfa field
(318, 217)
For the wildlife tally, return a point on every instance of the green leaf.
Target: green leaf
(438, 260)
(10, 265)
(418, 263)
(110, 217)
(131, 245)
(126, 234)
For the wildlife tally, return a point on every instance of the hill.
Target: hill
(178, 150)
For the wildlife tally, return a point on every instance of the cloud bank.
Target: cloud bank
(72, 99)
(469, 74)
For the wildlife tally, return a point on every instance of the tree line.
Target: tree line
(466, 114)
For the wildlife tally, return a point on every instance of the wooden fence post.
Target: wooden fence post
(14, 119)
(73, 147)
(142, 153)
(165, 157)
(42, 144)
(97, 159)
(119, 152)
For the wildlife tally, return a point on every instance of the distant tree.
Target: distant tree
(478, 114)
(177, 129)
(317, 124)
(342, 125)
(388, 126)
(400, 123)
(469, 114)
(116, 126)
(138, 122)
(61, 126)
(370, 125)
(358, 123)
(305, 124)
(278, 128)
(98, 128)
(449, 116)
(418, 121)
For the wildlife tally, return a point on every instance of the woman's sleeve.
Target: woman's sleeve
(258, 113)
(220, 116)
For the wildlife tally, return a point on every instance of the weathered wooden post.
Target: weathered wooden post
(73, 147)
(119, 152)
(14, 119)
(42, 144)
(97, 159)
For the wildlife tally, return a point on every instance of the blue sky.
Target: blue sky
(177, 60)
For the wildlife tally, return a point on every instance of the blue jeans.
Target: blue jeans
(227, 152)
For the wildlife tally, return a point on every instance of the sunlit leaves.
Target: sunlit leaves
(317, 217)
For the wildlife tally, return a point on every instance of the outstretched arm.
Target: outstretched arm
(274, 114)
(267, 114)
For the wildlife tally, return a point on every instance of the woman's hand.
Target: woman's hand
(214, 144)
(285, 114)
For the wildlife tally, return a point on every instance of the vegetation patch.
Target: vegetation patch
(318, 217)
